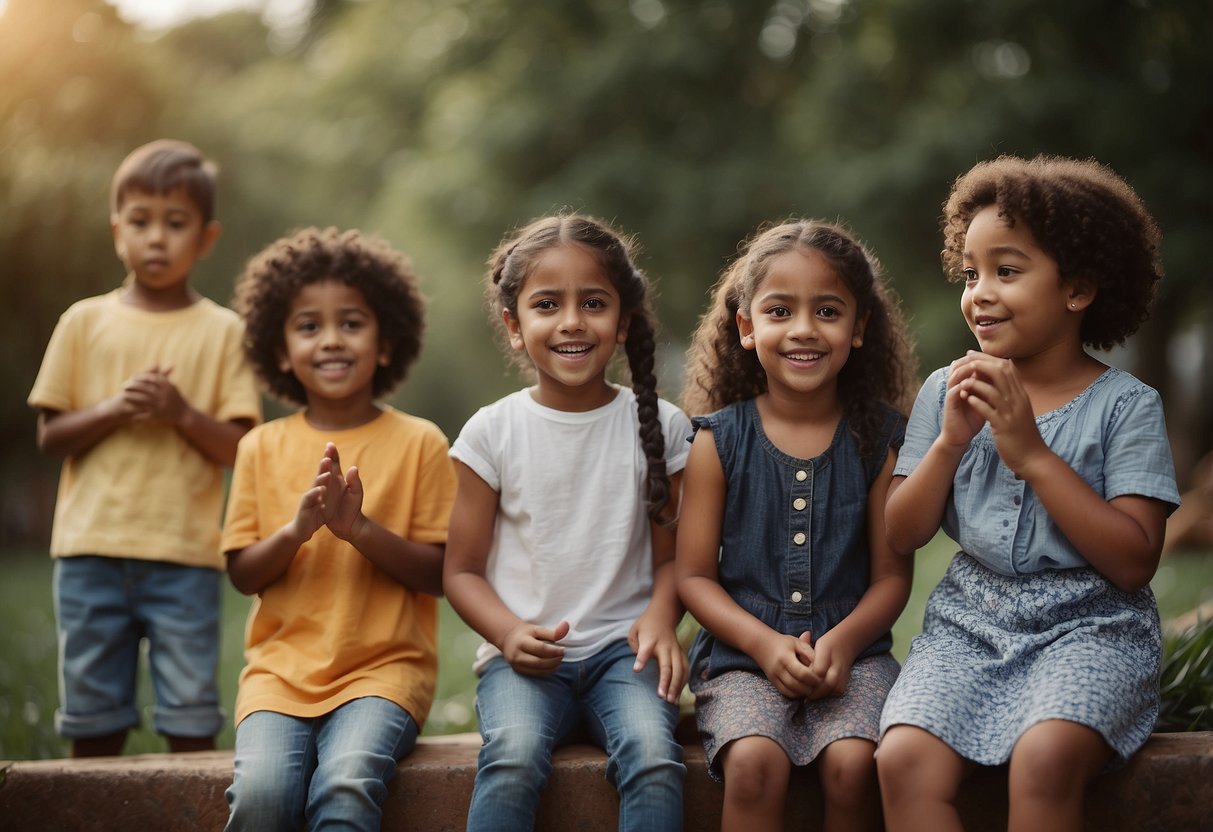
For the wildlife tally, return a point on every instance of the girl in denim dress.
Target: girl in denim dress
(801, 365)
(1052, 472)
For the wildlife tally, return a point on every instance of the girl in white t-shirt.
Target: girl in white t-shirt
(561, 546)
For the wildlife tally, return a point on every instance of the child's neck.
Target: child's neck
(323, 414)
(580, 399)
(1052, 380)
(802, 427)
(159, 300)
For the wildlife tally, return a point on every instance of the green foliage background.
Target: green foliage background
(441, 124)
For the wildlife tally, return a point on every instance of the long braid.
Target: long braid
(640, 346)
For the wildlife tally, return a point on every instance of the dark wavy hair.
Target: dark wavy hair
(163, 166)
(720, 371)
(1085, 216)
(509, 266)
(272, 278)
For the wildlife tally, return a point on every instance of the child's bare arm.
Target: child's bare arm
(157, 399)
(916, 504)
(67, 433)
(784, 659)
(259, 564)
(891, 574)
(415, 565)
(655, 632)
(529, 648)
(1122, 537)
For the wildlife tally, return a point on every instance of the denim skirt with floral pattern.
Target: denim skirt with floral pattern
(1000, 653)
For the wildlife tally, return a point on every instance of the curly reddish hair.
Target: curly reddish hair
(1085, 216)
(272, 279)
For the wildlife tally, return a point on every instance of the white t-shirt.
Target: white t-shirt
(572, 540)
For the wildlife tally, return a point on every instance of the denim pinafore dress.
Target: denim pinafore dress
(794, 554)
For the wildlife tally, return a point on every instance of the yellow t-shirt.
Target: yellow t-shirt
(335, 627)
(144, 492)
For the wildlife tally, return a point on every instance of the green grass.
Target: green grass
(28, 686)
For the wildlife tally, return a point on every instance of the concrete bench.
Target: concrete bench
(1167, 787)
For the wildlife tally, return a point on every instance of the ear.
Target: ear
(621, 335)
(210, 234)
(861, 324)
(513, 330)
(385, 353)
(1080, 294)
(284, 361)
(745, 328)
(119, 246)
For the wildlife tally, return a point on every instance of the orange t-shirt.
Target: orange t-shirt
(335, 627)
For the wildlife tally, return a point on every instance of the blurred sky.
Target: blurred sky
(163, 14)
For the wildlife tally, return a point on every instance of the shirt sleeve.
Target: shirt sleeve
(676, 430)
(435, 491)
(924, 423)
(53, 388)
(239, 395)
(240, 527)
(1138, 455)
(473, 447)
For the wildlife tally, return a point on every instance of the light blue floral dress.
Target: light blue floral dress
(1021, 629)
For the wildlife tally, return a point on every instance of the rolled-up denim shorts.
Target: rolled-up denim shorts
(105, 607)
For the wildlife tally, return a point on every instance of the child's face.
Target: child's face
(333, 347)
(1014, 299)
(569, 321)
(803, 323)
(158, 237)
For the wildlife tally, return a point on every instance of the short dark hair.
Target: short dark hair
(163, 166)
(271, 280)
(1085, 216)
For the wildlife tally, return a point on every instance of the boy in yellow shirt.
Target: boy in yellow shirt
(340, 648)
(144, 393)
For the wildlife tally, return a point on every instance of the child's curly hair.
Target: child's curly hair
(273, 277)
(1085, 216)
(513, 260)
(720, 371)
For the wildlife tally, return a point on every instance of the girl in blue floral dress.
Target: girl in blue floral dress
(1052, 472)
(802, 364)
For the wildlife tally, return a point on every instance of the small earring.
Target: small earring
(856, 343)
(1073, 305)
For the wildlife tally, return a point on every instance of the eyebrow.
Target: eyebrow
(784, 297)
(546, 292)
(996, 250)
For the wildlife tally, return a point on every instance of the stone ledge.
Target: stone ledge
(1167, 787)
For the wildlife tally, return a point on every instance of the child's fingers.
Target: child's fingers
(552, 634)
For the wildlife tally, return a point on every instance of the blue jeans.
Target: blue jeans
(523, 718)
(104, 608)
(328, 772)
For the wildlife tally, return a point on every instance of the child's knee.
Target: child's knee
(1055, 759)
(516, 747)
(911, 762)
(756, 770)
(847, 770)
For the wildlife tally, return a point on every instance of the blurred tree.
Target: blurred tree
(442, 124)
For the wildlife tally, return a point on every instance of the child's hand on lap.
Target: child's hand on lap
(532, 650)
(650, 638)
(788, 662)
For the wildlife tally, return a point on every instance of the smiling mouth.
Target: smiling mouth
(572, 350)
(986, 321)
(334, 365)
(803, 356)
